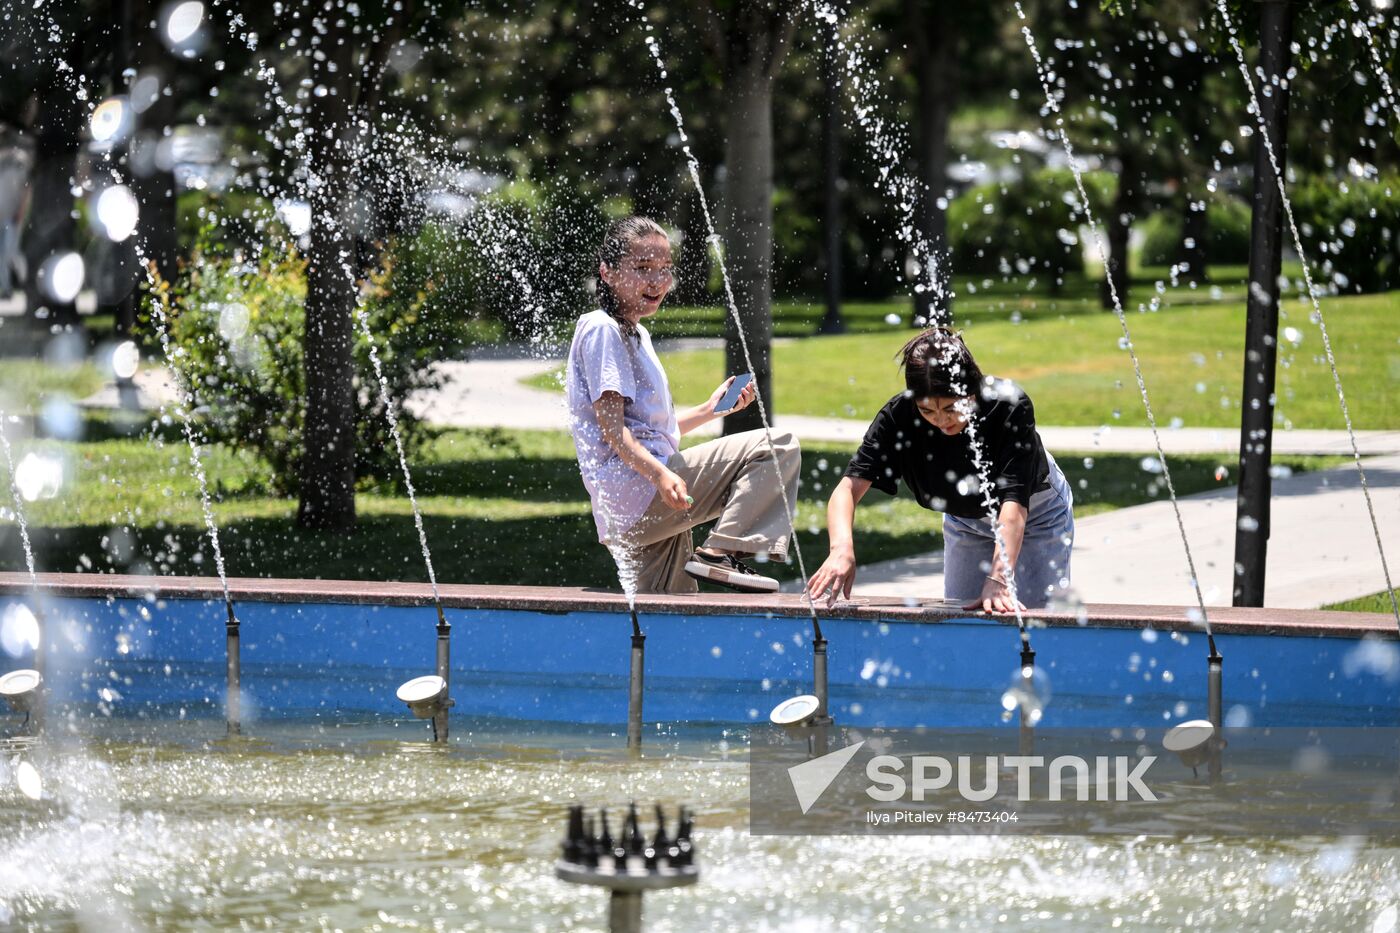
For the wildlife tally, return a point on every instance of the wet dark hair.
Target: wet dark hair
(937, 364)
(617, 243)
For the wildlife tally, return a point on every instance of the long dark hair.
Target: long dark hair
(937, 364)
(617, 243)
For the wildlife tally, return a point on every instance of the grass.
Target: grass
(1066, 354)
(1376, 602)
(26, 383)
(499, 507)
(978, 298)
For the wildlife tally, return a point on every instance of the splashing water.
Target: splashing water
(1053, 107)
(183, 407)
(348, 830)
(392, 417)
(496, 235)
(185, 394)
(19, 506)
(159, 317)
(1363, 29)
(887, 142)
(1312, 294)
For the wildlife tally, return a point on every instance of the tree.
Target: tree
(749, 39)
(934, 29)
(831, 322)
(327, 499)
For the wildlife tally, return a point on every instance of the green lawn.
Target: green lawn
(1066, 354)
(978, 298)
(499, 507)
(26, 383)
(1376, 602)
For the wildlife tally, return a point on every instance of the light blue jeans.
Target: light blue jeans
(1042, 567)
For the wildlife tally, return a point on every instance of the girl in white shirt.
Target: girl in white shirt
(647, 493)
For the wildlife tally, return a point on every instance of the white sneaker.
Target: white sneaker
(728, 570)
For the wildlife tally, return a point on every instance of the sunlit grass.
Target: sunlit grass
(1376, 602)
(1066, 352)
(25, 383)
(1076, 372)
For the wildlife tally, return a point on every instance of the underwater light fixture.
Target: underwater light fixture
(1194, 742)
(21, 690)
(810, 709)
(796, 712)
(426, 698)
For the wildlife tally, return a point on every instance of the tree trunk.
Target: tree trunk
(935, 37)
(1120, 225)
(1253, 505)
(748, 161)
(328, 435)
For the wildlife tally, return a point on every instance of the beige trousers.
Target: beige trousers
(733, 483)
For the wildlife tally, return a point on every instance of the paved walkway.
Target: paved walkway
(488, 393)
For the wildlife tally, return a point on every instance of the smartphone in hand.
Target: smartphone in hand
(731, 398)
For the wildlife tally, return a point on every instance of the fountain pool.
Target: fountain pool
(336, 649)
(334, 811)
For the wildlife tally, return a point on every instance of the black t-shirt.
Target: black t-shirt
(939, 470)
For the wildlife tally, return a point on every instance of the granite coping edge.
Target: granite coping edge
(560, 600)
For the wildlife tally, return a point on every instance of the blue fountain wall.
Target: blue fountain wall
(166, 658)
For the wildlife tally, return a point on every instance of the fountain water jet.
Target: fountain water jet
(1312, 293)
(1214, 660)
(35, 700)
(159, 315)
(822, 718)
(886, 142)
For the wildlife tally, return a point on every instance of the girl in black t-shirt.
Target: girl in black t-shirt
(949, 428)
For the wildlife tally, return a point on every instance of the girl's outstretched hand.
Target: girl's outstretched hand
(835, 577)
(996, 597)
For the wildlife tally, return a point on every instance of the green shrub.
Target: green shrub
(1227, 234)
(238, 325)
(1026, 226)
(1351, 229)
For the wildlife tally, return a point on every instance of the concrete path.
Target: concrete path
(1321, 549)
(152, 388)
(488, 393)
